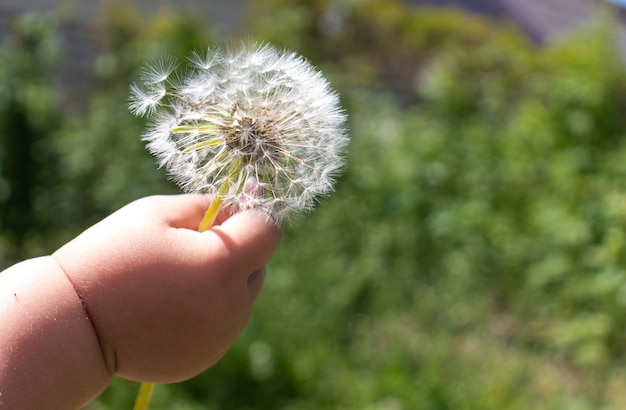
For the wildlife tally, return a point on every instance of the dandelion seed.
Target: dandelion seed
(248, 114)
(144, 100)
(159, 71)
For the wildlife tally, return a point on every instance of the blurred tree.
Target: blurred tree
(373, 43)
(28, 121)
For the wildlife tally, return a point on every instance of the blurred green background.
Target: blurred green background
(473, 254)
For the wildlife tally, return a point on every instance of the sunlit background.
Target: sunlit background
(473, 254)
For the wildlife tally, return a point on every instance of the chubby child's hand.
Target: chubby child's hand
(166, 302)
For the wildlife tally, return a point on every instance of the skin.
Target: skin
(141, 294)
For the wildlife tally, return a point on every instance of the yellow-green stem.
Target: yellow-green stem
(143, 397)
(211, 213)
(145, 390)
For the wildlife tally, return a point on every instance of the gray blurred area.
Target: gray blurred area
(225, 16)
(541, 20)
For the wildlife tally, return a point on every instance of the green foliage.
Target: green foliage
(373, 43)
(28, 118)
(66, 163)
(472, 256)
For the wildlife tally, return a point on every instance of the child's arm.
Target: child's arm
(49, 353)
(140, 294)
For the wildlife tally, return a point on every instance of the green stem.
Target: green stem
(143, 397)
(145, 390)
(211, 213)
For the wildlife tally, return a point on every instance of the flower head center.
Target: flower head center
(255, 140)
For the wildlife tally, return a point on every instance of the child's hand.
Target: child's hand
(165, 300)
(141, 294)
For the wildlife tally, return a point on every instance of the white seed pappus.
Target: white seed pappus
(248, 116)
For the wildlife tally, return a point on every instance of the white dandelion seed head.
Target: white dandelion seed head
(248, 114)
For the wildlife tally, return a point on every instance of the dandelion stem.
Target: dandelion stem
(211, 212)
(145, 390)
(143, 397)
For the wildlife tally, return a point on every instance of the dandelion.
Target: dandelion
(251, 116)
